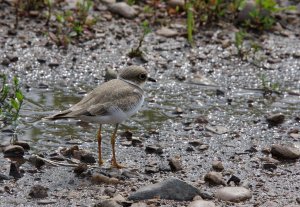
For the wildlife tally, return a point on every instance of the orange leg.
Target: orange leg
(113, 142)
(100, 161)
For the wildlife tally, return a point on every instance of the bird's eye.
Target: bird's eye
(142, 76)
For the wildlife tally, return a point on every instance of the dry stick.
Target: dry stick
(59, 163)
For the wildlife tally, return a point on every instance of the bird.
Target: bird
(111, 102)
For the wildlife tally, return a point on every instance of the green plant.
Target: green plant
(268, 87)
(190, 21)
(137, 52)
(11, 100)
(239, 41)
(130, 2)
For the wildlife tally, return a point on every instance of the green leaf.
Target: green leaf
(15, 104)
(19, 96)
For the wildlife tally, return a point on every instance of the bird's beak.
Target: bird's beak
(151, 79)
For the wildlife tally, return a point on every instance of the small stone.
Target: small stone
(170, 189)
(23, 144)
(195, 143)
(107, 203)
(36, 161)
(285, 151)
(46, 201)
(233, 194)
(42, 86)
(14, 171)
(13, 151)
(178, 111)
(38, 191)
(122, 9)
(166, 32)
(80, 168)
(84, 156)
(176, 3)
(201, 203)
(214, 178)
(100, 179)
(234, 179)
(275, 119)
(217, 165)
(154, 149)
(269, 166)
(53, 64)
(217, 129)
(69, 151)
(175, 164)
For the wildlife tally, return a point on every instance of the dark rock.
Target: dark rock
(275, 119)
(214, 178)
(175, 164)
(41, 61)
(5, 177)
(42, 86)
(195, 143)
(170, 189)
(154, 149)
(13, 151)
(269, 166)
(38, 191)
(207, 195)
(36, 161)
(110, 74)
(23, 144)
(217, 165)
(14, 171)
(53, 64)
(69, 151)
(233, 194)
(234, 179)
(80, 168)
(285, 151)
(84, 156)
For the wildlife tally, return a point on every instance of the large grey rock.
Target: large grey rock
(286, 151)
(201, 203)
(170, 189)
(233, 194)
(122, 9)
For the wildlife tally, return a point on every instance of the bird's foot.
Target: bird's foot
(114, 164)
(100, 162)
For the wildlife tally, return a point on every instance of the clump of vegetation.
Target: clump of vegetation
(11, 100)
(72, 24)
(269, 87)
(137, 52)
(262, 15)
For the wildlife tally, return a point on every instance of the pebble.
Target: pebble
(166, 32)
(201, 203)
(175, 164)
(217, 165)
(14, 171)
(122, 9)
(13, 151)
(107, 203)
(236, 180)
(23, 144)
(102, 179)
(46, 201)
(214, 178)
(38, 191)
(176, 3)
(84, 156)
(233, 194)
(110, 74)
(154, 149)
(170, 189)
(285, 151)
(275, 119)
(80, 168)
(217, 129)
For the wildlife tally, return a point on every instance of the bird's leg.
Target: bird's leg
(113, 142)
(100, 161)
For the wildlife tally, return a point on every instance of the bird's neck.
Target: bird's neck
(136, 85)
